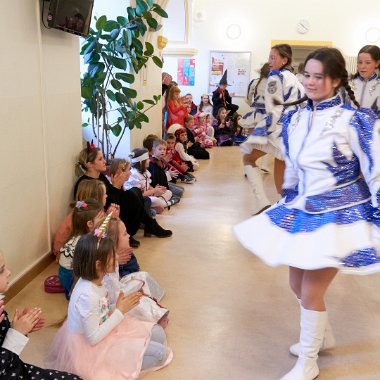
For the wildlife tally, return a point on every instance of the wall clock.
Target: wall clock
(303, 26)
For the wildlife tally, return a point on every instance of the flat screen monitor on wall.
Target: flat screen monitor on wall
(72, 16)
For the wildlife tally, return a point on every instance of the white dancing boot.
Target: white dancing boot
(327, 343)
(313, 325)
(261, 202)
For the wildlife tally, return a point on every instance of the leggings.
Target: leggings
(156, 352)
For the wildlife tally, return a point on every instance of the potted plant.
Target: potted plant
(114, 53)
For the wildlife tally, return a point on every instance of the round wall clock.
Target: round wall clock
(303, 26)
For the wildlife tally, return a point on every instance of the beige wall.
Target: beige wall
(40, 131)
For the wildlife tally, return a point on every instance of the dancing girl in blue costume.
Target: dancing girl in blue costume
(329, 218)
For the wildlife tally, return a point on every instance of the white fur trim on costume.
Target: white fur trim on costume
(141, 158)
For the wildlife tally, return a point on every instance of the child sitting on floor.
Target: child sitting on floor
(181, 148)
(140, 177)
(205, 140)
(98, 342)
(88, 188)
(86, 216)
(210, 132)
(194, 147)
(157, 165)
(223, 131)
(176, 161)
(14, 337)
(120, 279)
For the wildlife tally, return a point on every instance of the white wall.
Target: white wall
(343, 23)
(40, 131)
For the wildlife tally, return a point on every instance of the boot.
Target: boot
(313, 325)
(133, 242)
(328, 342)
(154, 229)
(261, 202)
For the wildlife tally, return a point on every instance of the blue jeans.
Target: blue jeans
(130, 267)
(66, 277)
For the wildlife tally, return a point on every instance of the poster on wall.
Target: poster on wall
(237, 64)
(186, 72)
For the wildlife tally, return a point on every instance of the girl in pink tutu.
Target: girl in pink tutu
(96, 342)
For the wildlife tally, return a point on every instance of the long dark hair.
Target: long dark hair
(373, 51)
(264, 71)
(334, 66)
(90, 249)
(201, 102)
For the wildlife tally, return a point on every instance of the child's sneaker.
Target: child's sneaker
(187, 179)
(191, 176)
(173, 200)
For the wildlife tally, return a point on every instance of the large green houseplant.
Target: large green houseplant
(114, 53)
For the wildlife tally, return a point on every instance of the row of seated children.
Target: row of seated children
(133, 312)
(96, 341)
(111, 329)
(114, 327)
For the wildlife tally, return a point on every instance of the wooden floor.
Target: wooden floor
(232, 317)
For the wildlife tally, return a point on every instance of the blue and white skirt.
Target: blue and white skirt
(348, 239)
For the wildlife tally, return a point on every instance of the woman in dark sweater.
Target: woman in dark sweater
(91, 164)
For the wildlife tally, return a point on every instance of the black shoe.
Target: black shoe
(154, 229)
(133, 242)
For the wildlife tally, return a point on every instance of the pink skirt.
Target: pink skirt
(118, 356)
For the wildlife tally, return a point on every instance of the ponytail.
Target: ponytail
(276, 102)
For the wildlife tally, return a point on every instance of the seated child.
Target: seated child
(179, 165)
(140, 177)
(181, 148)
(210, 132)
(200, 131)
(86, 216)
(171, 173)
(98, 342)
(223, 131)
(14, 337)
(237, 129)
(157, 164)
(88, 188)
(121, 279)
(194, 147)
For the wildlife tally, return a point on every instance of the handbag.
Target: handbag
(53, 285)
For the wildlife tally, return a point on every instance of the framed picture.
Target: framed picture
(238, 66)
(178, 18)
(186, 72)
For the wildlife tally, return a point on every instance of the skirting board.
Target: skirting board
(27, 277)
